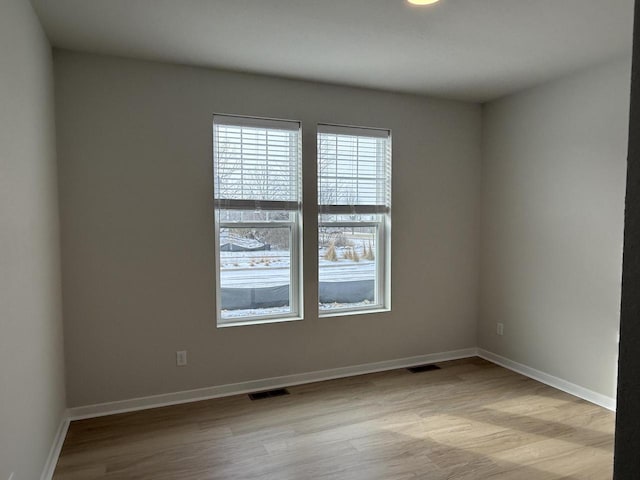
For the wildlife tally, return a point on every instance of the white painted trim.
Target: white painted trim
(166, 399)
(589, 395)
(56, 448)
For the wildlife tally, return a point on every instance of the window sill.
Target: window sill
(342, 313)
(258, 322)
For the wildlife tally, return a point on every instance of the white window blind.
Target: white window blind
(256, 163)
(354, 170)
(258, 199)
(354, 222)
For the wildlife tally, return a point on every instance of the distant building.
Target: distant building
(235, 243)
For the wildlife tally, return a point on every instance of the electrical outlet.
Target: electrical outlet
(500, 328)
(181, 358)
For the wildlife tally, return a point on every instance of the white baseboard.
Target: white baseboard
(56, 448)
(162, 400)
(581, 392)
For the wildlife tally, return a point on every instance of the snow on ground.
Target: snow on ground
(229, 316)
(333, 306)
(271, 268)
(259, 259)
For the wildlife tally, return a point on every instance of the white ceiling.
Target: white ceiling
(466, 49)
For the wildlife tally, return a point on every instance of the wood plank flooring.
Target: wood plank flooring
(469, 420)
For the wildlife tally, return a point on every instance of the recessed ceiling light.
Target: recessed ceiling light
(422, 2)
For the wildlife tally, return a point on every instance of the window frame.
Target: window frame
(295, 225)
(383, 225)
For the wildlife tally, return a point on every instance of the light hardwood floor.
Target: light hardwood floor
(469, 420)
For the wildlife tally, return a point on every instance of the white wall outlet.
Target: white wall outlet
(181, 358)
(500, 328)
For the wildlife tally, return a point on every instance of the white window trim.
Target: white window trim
(295, 287)
(296, 290)
(383, 268)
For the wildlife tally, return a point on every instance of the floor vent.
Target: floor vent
(278, 392)
(423, 368)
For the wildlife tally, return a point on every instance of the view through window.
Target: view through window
(257, 192)
(354, 201)
(257, 197)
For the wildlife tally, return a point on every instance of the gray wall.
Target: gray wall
(32, 392)
(553, 183)
(137, 222)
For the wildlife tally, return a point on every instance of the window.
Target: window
(257, 201)
(354, 206)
